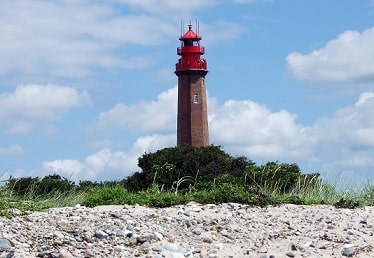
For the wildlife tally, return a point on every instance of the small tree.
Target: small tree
(21, 186)
(53, 183)
(39, 186)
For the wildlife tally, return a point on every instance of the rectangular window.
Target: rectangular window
(195, 98)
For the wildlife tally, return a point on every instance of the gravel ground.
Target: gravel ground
(192, 230)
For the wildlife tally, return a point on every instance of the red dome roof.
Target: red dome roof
(190, 34)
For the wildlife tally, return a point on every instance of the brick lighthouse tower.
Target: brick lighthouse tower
(192, 118)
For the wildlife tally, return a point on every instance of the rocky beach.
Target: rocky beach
(191, 230)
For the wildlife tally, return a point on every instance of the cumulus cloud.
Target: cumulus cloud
(248, 128)
(101, 162)
(349, 57)
(338, 143)
(29, 104)
(67, 167)
(12, 150)
(150, 143)
(106, 164)
(155, 116)
(342, 142)
(353, 125)
(350, 129)
(72, 38)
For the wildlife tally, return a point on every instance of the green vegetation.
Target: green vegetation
(179, 175)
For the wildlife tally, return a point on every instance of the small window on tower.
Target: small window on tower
(196, 98)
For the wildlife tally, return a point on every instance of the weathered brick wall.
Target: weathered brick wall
(192, 119)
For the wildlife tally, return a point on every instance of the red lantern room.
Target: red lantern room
(190, 52)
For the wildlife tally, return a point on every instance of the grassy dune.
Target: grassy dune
(307, 192)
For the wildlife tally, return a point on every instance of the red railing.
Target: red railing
(190, 49)
(186, 64)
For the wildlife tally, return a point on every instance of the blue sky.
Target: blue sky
(86, 87)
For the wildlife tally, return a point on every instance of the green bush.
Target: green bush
(85, 185)
(282, 178)
(20, 186)
(103, 195)
(52, 184)
(28, 186)
(225, 192)
(168, 166)
(202, 168)
(167, 199)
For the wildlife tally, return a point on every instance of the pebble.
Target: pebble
(101, 234)
(65, 254)
(349, 250)
(5, 244)
(191, 230)
(290, 254)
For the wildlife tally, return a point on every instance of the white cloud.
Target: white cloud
(340, 143)
(75, 38)
(345, 143)
(29, 104)
(103, 164)
(155, 116)
(349, 57)
(72, 38)
(12, 150)
(350, 129)
(67, 167)
(248, 128)
(364, 97)
(106, 164)
(154, 142)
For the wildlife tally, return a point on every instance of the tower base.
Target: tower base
(192, 118)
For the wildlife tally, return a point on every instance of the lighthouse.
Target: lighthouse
(192, 117)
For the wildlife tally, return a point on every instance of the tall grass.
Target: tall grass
(12, 204)
(317, 191)
(308, 190)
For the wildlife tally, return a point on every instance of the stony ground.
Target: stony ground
(192, 230)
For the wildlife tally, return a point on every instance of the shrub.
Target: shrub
(85, 185)
(225, 192)
(28, 186)
(20, 186)
(168, 166)
(53, 183)
(104, 195)
(279, 177)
